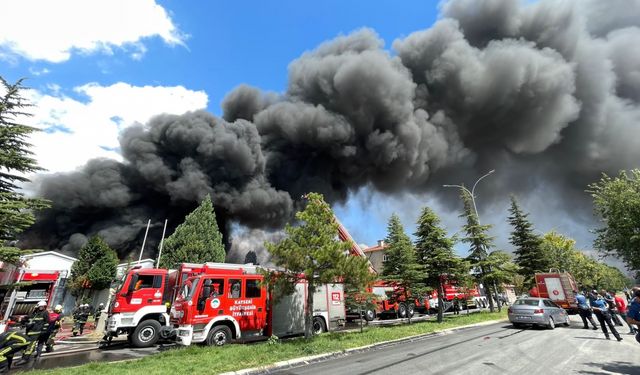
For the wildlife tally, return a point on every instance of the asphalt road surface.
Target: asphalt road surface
(492, 349)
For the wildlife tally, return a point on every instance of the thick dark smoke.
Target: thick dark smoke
(548, 94)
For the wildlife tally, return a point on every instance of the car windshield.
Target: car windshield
(188, 289)
(528, 302)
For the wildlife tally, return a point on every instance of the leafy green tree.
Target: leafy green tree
(559, 251)
(478, 239)
(434, 251)
(196, 240)
(16, 160)
(500, 269)
(617, 202)
(95, 268)
(312, 251)
(529, 255)
(587, 271)
(401, 267)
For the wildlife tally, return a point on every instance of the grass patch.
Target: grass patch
(198, 359)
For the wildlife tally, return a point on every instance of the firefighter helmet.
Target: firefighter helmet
(58, 308)
(42, 303)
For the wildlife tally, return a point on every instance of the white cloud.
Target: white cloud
(52, 30)
(75, 131)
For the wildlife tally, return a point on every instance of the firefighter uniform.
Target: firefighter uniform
(80, 316)
(37, 330)
(10, 343)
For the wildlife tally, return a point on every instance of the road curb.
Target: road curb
(315, 358)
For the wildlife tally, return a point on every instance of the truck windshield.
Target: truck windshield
(188, 289)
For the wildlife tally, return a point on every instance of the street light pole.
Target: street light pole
(475, 209)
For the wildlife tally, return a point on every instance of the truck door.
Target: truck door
(147, 291)
(247, 300)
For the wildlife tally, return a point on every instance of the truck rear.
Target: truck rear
(558, 287)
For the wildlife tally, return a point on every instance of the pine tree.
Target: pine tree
(435, 253)
(196, 240)
(529, 255)
(95, 268)
(312, 252)
(401, 267)
(478, 240)
(16, 160)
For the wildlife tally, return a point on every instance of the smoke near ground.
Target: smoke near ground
(548, 94)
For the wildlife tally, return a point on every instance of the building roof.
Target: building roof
(54, 253)
(376, 248)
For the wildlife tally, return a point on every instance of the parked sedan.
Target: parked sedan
(537, 311)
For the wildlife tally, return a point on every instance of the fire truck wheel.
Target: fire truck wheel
(411, 309)
(369, 315)
(551, 324)
(219, 336)
(319, 326)
(402, 310)
(146, 334)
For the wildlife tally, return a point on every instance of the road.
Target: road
(492, 349)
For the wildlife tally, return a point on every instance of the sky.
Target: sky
(100, 69)
(97, 68)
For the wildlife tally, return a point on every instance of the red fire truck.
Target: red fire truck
(230, 302)
(558, 287)
(470, 297)
(139, 308)
(35, 286)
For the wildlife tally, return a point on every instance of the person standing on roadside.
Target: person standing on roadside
(601, 309)
(584, 310)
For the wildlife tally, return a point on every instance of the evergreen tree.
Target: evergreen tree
(16, 160)
(196, 240)
(95, 268)
(401, 267)
(435, 253)
(312, 252)
(478, 240)
(529, 255)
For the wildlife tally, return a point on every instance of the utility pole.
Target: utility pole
(475, 209)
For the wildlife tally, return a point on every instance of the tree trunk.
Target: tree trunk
(440, 302)
(308, 310)
(487, 288)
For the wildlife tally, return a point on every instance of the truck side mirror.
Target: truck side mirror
(206, 292)
(132, 284)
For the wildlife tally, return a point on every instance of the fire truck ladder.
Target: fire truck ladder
(567, 286)
(355, 249)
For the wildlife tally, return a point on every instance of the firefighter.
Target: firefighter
(10, 343)
(55, 321)
(37, 330)
(80, 316)
(456, 305)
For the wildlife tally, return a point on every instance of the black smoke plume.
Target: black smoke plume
(548, 94)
